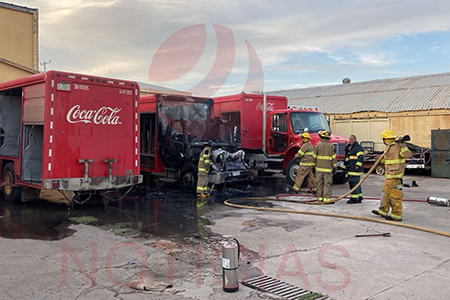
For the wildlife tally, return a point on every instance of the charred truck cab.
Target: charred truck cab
(68, 132)
(174, 129)
(268, 131)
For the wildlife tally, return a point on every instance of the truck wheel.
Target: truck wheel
(380, 170)
(10, 194)
(291, 171)
(188, 178)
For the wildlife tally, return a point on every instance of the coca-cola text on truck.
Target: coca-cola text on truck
(270, 143)
(68, 132)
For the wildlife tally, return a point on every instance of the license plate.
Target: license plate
(236, 173)
(415, 166)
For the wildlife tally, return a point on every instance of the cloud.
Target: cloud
(90, 35)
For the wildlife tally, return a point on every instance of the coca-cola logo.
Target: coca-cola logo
(260, 106)
(103, 116)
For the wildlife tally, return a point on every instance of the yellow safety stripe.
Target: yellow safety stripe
(396, 217)
(394, 161)
(404, 149)
(306, 164)
(326, 199)
(202, 170)
(353, 157)
(359, 164)
(325, 170)
(320, 199)
(394, 176)
(355, 173)
(309, 153)
(301, 152)
(356, 195)
(324, 157)
(382, 213)
(295, 188)
(205, 159)
(360, 153)
(202, 188)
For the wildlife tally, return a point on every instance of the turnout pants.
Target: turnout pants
(352, 182)
(323, 185)
(392, 197)
(202, 183)
(302, 172)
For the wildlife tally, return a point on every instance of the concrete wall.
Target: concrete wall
(368, 125)
(19, 41)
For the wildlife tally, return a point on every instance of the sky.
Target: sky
(224, 47)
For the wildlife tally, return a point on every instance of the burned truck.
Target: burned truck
(174, 130)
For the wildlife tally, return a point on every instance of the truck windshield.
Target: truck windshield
(314, 121)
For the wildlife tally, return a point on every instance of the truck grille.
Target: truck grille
(340, 149)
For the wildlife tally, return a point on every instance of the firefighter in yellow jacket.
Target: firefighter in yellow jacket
(204, 164)
(394, 167)
(305, 154)
(325, 161)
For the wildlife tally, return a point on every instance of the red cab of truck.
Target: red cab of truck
(67, 131)
(272, 150)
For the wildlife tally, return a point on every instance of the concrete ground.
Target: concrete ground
(317, 253)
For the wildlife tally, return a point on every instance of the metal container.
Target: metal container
(440, 164)
(230, 264)
(440, 140)
(438, 201)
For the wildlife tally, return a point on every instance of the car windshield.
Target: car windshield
(313, 121)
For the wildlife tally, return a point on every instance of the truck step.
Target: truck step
(169, 180)
(272, 171)
(277, 160)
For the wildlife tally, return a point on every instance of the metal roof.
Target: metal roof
(416, 93)
(147, 88)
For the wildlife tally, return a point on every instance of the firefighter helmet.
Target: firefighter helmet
(305, 135)
(388, 134)
(210, 143)
(324, 134)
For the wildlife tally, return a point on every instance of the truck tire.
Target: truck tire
(10, 194)
(188, 177)
(291, 171)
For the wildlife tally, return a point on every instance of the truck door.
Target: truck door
(278, 133)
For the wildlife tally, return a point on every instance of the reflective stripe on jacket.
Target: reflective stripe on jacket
(394, 160)
(353, 158)
(325, 156)
(305, 154)
(204, 162)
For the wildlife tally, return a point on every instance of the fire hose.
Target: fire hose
(285, 210)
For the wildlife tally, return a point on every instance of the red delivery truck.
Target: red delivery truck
(68, 132)
(174, 129)
(271, 142)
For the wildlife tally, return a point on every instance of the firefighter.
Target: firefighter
(325, 162)
(305, 154)
(394, 164)
(204, 164)
(353, 165)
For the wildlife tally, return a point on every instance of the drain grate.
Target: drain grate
(280, 288)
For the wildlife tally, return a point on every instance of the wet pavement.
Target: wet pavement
(163, 211)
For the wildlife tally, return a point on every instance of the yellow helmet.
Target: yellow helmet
(388, 134)
(305, 135)
(324, 134)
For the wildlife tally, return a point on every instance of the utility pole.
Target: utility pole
(44, 63)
